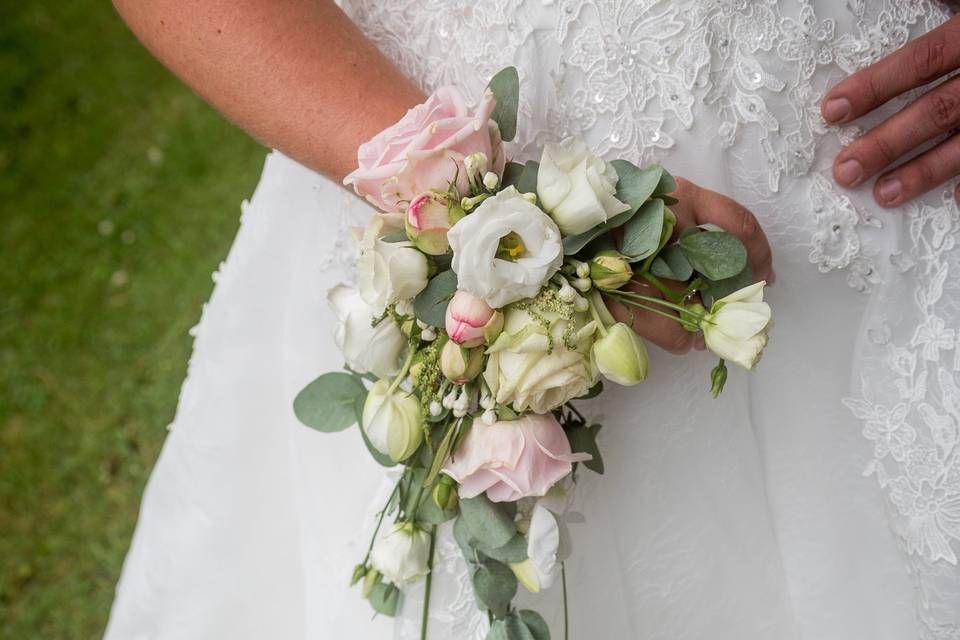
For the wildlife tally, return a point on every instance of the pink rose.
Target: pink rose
(426, 149)
(513, 460)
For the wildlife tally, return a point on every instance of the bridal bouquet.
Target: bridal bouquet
(480, 314)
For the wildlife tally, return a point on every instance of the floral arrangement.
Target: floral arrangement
(480, 314)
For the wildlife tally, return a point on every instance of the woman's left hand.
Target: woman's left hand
(935, 113)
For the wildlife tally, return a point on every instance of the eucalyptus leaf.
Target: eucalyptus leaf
(521, 176)
(594, 391)
(511, 174)
(327, 403)
(672, 264)
(465, 540)
(494, 585)
(641, 235)
(429, 512)
(715, 254)
(488, 523)
(535, 624)
(505, 86)
(666, 184)
(430, 305)
(573, 244)
(385, 599)
(514, 551)
(667, 200)
(714, 290)
(636, 185)
(583, 439)
(396, 236)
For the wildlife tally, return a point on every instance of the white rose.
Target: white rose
(525, 370)
(736, 327)
(542, 566)
(392, 421)
(388, 271)
(577, 187)
(402, 555)
(366, 348)
(476, 241)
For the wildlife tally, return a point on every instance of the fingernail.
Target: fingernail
(849, 172)
(836, 109)
(889, 190)
(699, 343)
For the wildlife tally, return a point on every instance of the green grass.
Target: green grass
(119, 194)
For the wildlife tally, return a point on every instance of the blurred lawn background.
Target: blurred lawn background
(119, 195)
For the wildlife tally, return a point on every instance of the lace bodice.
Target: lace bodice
(695, 84)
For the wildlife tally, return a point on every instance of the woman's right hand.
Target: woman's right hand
(698, 206)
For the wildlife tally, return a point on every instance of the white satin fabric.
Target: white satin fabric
(748, 517)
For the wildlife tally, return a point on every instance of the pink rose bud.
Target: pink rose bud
(429, 217)
(467, 317)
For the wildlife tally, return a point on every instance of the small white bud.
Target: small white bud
(428, 334)
(489, 417)
(490, 180)
(435, 408)
(567, 293)
(488, 402)
(583, 270)
(530, 197)
(449, 399)
(422, 324)
(582, 284)
(581, 304)
(404, 307)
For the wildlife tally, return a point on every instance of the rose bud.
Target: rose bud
(610, 270)
(429, 217)
(459, 364)
(469, 320)
(392, 421)
(621, 355)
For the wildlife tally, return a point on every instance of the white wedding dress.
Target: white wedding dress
(817, 499)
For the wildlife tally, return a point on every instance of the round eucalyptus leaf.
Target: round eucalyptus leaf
(327, 403)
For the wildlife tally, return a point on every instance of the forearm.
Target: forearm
(296, 74)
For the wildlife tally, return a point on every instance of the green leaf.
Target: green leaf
(381, 458)
(666, 184)
(523, 177)
(636, 185)
(487, 522)
(514, 551)
(594, 391)
(506, 89)
(385, 599)
(715, 254)
(494, 586)
(327, 403)
(641, 235)
(535, 624)
(430, 305)
(583, 439)
(397, 236)
(672, 264)
(667, 200)
(573, 244)
(722, 288)
(440, 456)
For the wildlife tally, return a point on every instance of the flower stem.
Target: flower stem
(403, 371)
(426, 589)
(673, 296)
(596, 317)
(376, 530)
(639, 305)
(670, 305)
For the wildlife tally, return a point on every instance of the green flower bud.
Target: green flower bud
(359, 572)
(445, 493)
(610, 270)
(428, 219)
(459, 364)
(621, 355)
(698, 309)
(369, 582)
(718, 378)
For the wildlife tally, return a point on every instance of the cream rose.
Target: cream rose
(533, 367)
(577, 187)
(388, 271)
(366, 348)
(426, 149)
(475, 241)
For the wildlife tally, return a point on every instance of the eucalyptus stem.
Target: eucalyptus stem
(633, 303)
(376, 530)
(426, 590)
(566, 616)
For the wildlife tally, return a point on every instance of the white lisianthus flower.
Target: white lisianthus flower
(392, 421)
(534, 367)
(402, 555)
(621, 355)
(366, 348)
(542, 566)
(577, 187)
(500, 276)
(388, 271)
(736, 327)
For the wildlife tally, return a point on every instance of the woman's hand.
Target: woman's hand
(697, 206)
(936, 113)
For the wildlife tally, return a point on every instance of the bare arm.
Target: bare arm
(296, 74)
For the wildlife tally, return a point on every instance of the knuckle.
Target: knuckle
(927, 59)
(882, 149)
(944, 108)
